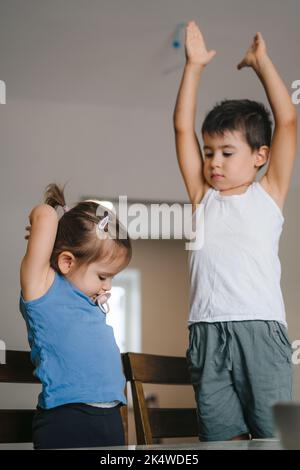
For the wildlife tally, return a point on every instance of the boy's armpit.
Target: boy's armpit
(198, 200)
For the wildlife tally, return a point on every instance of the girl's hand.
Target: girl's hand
(255, 54)
(28, 234)
(195, 49)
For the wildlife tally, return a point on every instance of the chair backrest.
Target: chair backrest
(16, 425)
(158, 422)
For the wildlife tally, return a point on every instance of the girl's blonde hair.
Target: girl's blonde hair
(76, 231)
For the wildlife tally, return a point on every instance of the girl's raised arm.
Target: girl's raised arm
(36, 262)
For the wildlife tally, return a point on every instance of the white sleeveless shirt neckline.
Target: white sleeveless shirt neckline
(235, 274)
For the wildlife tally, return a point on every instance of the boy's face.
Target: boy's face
(229, 161)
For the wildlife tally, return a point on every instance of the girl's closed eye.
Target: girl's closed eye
(102, 278)
(227, 154)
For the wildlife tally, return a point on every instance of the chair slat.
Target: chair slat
(18, 368)
(16, 426)
(148, 368)
(173, 422)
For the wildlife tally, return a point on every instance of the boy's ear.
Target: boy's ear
(261, 156)
(66, 261)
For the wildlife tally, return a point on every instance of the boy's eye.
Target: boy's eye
(208, 155)
(102, 278)
(227, 154)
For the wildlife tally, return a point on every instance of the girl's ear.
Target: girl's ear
(66, 261)
(261, 156)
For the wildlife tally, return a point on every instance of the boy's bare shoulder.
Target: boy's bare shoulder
(274, 195)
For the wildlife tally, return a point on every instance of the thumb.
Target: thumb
(241, 64)
(211, 54)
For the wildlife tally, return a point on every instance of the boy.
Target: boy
(239, 354)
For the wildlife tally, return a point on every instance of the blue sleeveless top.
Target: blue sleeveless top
(72, 348)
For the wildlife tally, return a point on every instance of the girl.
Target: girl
(65, 277)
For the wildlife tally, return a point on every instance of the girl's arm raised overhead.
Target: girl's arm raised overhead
(36, 262)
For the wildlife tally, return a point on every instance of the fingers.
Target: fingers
(192, 30)
(258, 38)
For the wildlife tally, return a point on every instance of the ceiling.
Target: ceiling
(68, 64)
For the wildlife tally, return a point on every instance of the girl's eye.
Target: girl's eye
(227, 154)
(208, 155)
(102, 278)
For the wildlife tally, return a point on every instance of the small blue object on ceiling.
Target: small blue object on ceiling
(177, 41)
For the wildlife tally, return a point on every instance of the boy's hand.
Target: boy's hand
(255, 54)
(195, 49)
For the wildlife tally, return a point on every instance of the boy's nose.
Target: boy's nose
(215, 161)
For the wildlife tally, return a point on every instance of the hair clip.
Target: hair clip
(102, 224)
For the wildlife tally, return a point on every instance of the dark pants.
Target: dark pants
(77, 425)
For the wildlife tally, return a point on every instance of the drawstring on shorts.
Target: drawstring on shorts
(226, 343)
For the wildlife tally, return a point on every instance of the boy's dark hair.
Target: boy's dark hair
(76, 231)
(250, 117)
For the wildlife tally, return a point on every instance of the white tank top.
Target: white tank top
(235, 275)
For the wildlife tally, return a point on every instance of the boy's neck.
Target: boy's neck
(235, 189)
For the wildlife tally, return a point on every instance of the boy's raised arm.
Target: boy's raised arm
(187, 145)
(36, 262)
(284, 142)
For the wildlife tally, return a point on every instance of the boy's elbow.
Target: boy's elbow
(180, 128)
(176, 123)
(292, 118)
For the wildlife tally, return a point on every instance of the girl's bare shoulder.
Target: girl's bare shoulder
(33, 292)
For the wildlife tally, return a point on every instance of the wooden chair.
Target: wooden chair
(16, 425)
(158, 422)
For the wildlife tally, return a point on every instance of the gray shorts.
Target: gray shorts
(238, 371)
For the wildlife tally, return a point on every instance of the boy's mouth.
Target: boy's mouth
(217, 176)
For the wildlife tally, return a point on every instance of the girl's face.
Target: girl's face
(230, 157)
(96, 278)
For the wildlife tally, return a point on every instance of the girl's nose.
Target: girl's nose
(107, 284)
